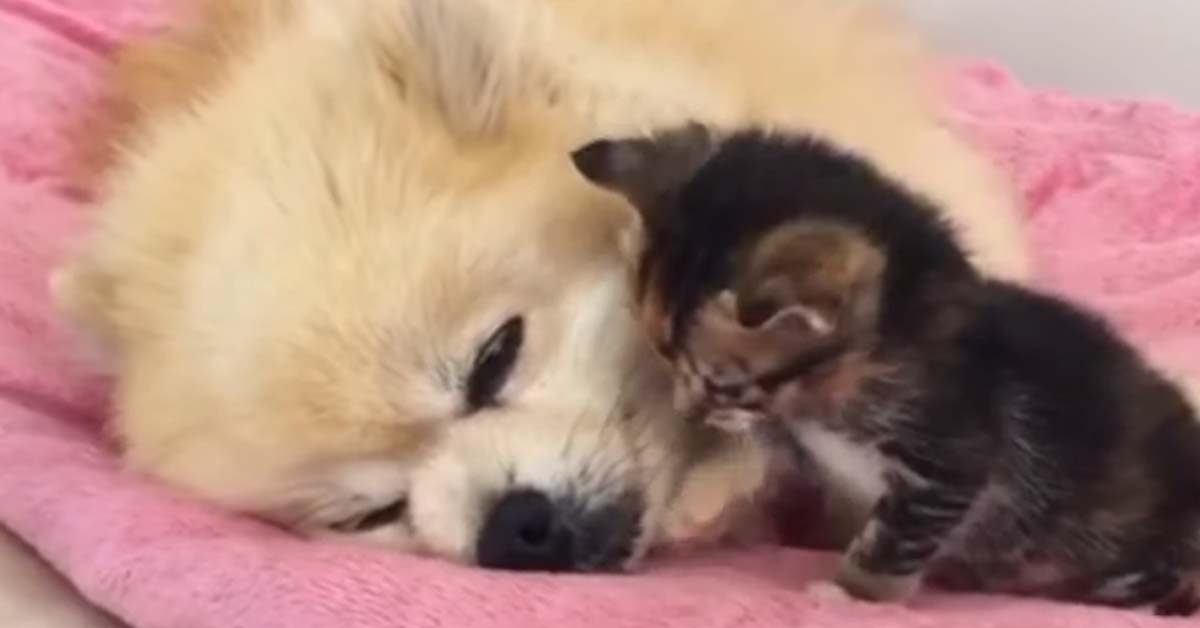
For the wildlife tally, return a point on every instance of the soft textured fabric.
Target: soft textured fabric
(1113, 193)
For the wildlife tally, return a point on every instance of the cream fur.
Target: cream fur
(299, 256)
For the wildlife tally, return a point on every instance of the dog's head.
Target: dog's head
(361, 291)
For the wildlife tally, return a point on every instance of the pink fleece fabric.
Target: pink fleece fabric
(1113, 192)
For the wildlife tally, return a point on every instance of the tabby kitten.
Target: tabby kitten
(1002, 439)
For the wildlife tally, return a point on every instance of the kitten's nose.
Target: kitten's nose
(525, 532)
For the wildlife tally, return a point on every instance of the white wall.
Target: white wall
(1135, 48)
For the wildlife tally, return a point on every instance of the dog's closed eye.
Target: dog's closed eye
(374, 519)
(494, 364)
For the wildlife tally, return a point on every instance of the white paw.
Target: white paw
(876, 587)
(827, 591)
(695, 522)
(714, 492)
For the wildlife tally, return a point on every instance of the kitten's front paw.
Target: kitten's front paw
(876, 587)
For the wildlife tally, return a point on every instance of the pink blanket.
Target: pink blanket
(1114, 202)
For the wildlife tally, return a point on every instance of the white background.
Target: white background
(1132, 48)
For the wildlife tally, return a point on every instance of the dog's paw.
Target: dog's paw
(827, 591)
(696, 517)
(714, 492)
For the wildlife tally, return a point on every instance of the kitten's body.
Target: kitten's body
(1006, 440)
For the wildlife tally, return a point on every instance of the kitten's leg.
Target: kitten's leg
(1184, 602)
(888, 558)
(1166, 591)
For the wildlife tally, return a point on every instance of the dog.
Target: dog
(348, 280)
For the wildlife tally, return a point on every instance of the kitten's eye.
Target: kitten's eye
(374, 519)
(494, 364)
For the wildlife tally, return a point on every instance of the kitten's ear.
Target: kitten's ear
(718, 333)
(646, 169)
(810, 278)
(796, 319)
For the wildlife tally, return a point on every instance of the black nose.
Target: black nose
(526, 532)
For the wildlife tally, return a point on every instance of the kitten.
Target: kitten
(1005, 440)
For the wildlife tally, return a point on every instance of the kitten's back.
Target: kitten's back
(1092, 389)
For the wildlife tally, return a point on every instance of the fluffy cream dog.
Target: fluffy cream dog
(349, 281)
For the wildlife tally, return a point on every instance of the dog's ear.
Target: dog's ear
(467, 60)
(648, 171)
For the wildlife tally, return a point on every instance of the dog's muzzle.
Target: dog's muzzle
(526, 530)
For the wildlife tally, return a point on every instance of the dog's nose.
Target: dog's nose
(526, 532)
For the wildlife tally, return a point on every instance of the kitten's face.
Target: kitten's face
(731, 373)
(748, 299)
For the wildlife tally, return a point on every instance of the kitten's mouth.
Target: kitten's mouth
(718, 404)
(728, 419)
(737, 420)
(696, 394)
